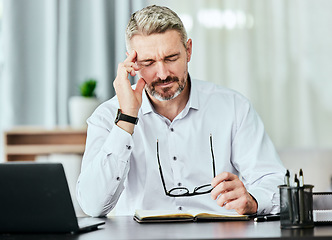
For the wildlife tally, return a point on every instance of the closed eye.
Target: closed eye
(149, 62)
(145, 63)
(172, 58)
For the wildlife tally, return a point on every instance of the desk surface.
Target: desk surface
(127, 228)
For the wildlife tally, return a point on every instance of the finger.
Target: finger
(224, 176)
(225, 199)
(125, 68)
(132, 72)
(238, 199)
(136, 67)
(131, 57)
(131, 67)
(221, 188)
(229, 196)
(241, 205)
(232, 204)
(140, 86)
(235, 185)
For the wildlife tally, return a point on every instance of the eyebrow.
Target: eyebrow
(152, 60)
(173, 55)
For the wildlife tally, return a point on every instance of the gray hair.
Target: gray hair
(154, 19)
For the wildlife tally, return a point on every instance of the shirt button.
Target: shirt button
(179, 184)
(174, 158)
(128, 147)
(172, 129)
(180, 208)
(118, 178)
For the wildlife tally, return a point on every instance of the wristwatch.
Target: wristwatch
(123, 117)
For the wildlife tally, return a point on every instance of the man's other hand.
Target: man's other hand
(230, 192)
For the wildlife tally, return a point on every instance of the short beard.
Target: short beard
(165, 96)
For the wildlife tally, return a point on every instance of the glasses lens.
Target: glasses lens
(179, 191)
(203, 189)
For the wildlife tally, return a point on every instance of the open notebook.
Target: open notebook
(144, 216)
(35, 198)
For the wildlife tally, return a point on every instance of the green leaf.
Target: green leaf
(88, 87)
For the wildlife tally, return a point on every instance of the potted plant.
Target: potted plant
(81, 107)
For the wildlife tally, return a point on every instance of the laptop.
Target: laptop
(34, 197)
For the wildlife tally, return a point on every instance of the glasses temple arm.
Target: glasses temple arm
(213, 163)
(160, 171)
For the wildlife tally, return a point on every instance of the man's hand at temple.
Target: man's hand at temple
(130, 100)
(230, 192)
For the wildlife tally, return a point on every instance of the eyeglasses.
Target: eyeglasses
(183, 191)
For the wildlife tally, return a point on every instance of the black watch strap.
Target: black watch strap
(123, 117)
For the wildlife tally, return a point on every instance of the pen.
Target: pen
(296, 181)
(289, 194)
(267, 218)
(287, 178)
(301, 197)
(301, 178)
(296, 202)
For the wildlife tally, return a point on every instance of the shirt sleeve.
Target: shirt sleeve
(105, 166)
(254, 156)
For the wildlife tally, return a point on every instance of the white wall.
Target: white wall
(316, 165)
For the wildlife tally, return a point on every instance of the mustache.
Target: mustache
(166, 80)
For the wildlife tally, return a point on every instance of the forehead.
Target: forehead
(157, 45)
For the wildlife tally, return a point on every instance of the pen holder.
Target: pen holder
(296, 207)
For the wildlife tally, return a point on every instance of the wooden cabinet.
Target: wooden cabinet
(24, 144)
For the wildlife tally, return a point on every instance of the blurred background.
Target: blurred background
(278, 53)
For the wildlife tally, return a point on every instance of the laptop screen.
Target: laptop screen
(35, 198)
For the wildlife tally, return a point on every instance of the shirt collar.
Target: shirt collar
(146, 104)
(193, 101)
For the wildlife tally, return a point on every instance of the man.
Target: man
(151, 145)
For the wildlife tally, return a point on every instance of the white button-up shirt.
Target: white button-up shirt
(121, 170)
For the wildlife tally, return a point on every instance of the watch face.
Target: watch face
(118, 115)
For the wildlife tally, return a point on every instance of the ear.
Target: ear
(189, 46)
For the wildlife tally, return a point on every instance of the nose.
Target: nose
(162, 70)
